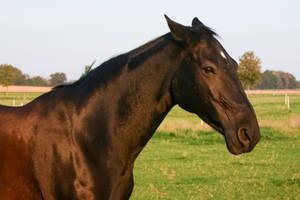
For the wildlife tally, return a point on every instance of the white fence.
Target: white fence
(274, 92)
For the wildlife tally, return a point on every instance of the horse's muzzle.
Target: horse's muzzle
(243, 141)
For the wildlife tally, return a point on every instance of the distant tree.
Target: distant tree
(268, 80)
(290, 81)
(37, 81)
(7, 75)
(298, 84)
(276, 80)
(57, 78)
(87, 69)
(280, 81)
(249, 69)
(285, 80)
(26, 82)
(21, 79)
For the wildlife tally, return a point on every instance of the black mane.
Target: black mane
(133, 58)
(208, 31)
(91, 76)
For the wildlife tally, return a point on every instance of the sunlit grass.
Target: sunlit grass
(17, 98)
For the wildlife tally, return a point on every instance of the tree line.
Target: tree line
(252, 78)
(10, 75)
(277, 80)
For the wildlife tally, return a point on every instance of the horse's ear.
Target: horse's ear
(180, 33)
(196, 23)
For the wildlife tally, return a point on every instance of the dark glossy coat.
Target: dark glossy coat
(80, 141)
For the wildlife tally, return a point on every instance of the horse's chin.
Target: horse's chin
(234, 150)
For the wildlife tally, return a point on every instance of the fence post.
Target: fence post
(288, 102)
(285, 98)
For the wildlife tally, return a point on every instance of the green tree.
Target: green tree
(57, 78)
(7, 75)
(21, 79)
(37, 81)
(268, 80)
(249, 69)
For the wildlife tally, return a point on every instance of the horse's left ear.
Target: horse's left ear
(180, 33)
(196, 23)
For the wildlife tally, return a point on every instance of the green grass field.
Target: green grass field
(17, 98)
(186, 159)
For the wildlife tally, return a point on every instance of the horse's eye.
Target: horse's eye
(208, 69)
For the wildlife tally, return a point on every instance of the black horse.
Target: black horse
(80, 141)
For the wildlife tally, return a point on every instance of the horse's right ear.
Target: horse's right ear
(180, 33)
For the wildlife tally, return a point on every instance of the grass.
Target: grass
(188, 160)
(17, 98)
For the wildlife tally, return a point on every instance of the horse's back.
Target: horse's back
(16, 171)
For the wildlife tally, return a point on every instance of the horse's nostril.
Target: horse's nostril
(244, 137)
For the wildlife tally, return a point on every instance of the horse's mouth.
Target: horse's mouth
(240, 142)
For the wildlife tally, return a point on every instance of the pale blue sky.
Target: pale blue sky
(41, 37)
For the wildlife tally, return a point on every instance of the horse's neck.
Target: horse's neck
(142, 100)
(149, 100)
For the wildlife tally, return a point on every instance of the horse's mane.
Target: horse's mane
(211, 33)
(91, 74)
(133, 57)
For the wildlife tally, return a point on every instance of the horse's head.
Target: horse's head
(206, 83)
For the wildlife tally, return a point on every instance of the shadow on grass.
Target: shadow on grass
(198, 180)
(272, 134)
(191, 137)
(203, 137)
(282, 182)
